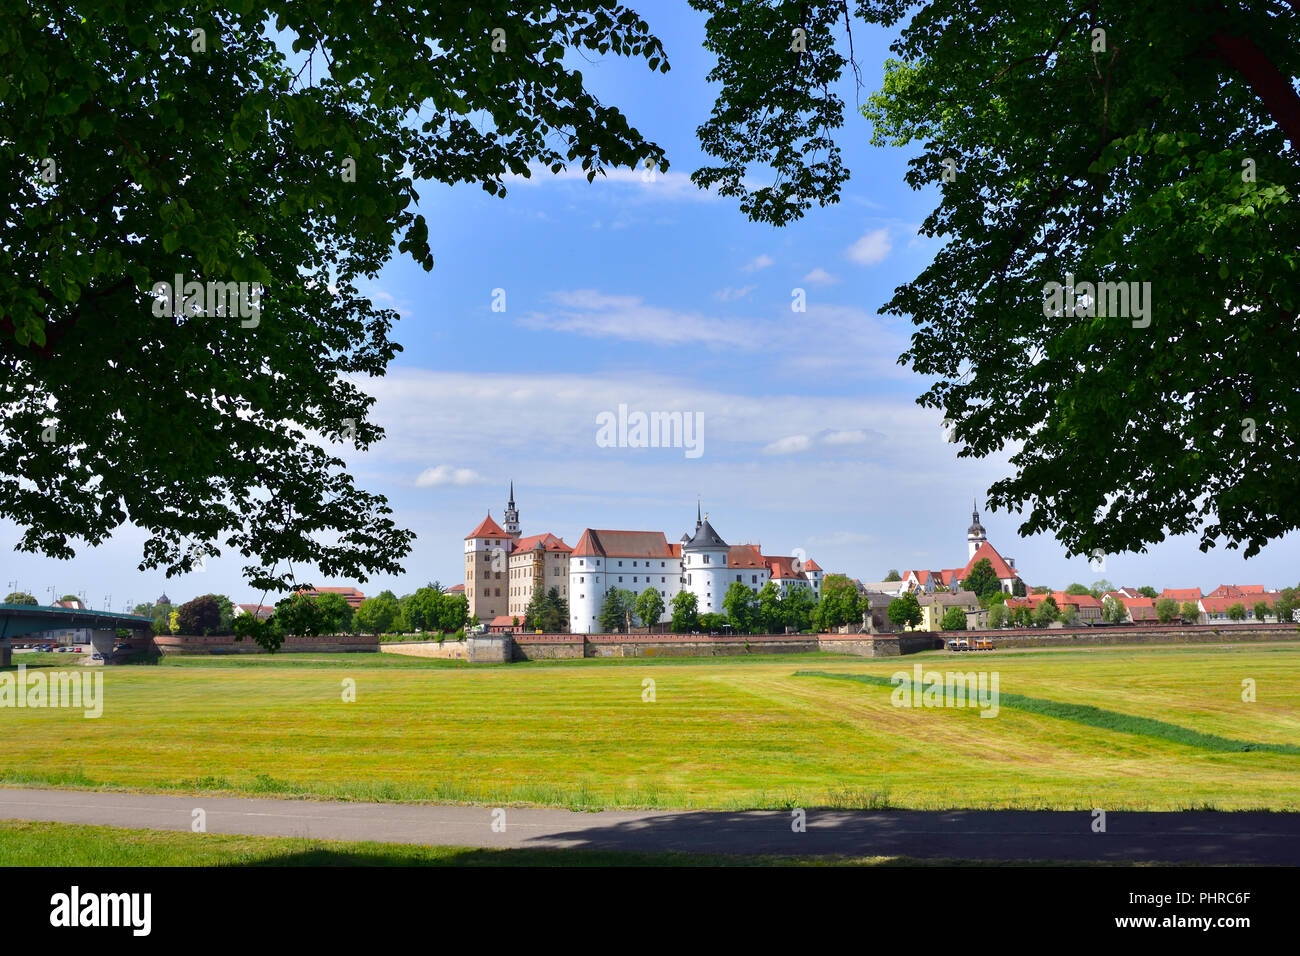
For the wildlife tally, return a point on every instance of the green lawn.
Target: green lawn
(722, 733)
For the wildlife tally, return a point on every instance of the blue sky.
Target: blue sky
(662, 298)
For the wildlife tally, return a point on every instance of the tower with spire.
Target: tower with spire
(975, 535)
(704, 565)
(512, 514)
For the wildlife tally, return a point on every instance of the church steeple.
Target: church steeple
(975, 535)
(512, 514)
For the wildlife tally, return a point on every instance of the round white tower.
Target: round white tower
(704, 566)
(587, 584)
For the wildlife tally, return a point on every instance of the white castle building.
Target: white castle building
(702, 564)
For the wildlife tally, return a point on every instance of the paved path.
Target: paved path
(1261, 838)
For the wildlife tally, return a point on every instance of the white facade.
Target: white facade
(637, 560)
(590, 576)
(707, 576)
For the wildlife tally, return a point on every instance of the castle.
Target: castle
(502, 569)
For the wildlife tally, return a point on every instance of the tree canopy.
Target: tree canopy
(1152, 145)
(983, 580)
(147, 142)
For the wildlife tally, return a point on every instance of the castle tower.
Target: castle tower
(704, 566)
(975, 535)
(512, 514)
(487, 550)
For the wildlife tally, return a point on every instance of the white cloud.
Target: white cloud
(826, 339)
(788, 445)
(447, 475)
(730, 294)
(596, 315)
(820, 276)
(846, 438)
(758, 262)
(871, 248)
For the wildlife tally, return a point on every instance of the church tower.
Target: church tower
(975, 535)
(512, 514)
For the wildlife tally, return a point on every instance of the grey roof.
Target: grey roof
(705, 537)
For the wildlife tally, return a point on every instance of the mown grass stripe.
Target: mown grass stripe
(1097, 717)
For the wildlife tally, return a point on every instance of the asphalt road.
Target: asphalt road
(1258, 838)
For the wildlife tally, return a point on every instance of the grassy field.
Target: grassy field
(721, 733)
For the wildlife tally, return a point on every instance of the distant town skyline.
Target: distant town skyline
(110, 570)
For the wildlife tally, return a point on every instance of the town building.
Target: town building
(935, 605)
(539, 560)
(978, 548)
(633, 560)
(487, 552)
(351, 595)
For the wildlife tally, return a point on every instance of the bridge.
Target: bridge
(19, 619)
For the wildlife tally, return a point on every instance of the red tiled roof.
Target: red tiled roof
(351, 595)
(1000, 567)
(624, 544)
(548, 541)
(1078, 600)
(502, 620)
(487, 529)
(456, 589)
(783, 567)
(1139, 608)
(1182, 594)
(1236, 590)
(811, 565)
(259, 611)
(1215, 605)
(745, 556)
